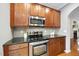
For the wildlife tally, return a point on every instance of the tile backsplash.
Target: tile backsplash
(19, 32)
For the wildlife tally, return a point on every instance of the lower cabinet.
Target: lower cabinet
(56, 46)
(16, 50)
(19, 52)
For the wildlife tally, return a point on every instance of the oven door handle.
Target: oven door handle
(37, 43)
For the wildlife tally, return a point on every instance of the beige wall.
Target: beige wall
(5, 32)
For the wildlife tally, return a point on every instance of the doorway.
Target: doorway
(74, 18)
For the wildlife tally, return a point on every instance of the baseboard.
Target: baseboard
(67, 51)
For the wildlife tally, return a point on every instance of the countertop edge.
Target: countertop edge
(28, 42)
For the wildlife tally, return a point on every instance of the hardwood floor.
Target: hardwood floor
(73, 52)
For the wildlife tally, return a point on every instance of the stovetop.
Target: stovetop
(37, 39)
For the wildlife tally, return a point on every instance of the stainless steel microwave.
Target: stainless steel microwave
(36, 21)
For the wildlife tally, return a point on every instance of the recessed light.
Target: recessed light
(47, 10)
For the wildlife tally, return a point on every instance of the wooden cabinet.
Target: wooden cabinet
(50, 47)
(52, 19)
(12, 14)
(49, 18)
(19, 52)
(37, 10)
(34, 10)
(17, 46)
(20, 12)
(56, 19)
(42, 11)
(56, 46)
(62, 46)
(16, 50)
(21, 18)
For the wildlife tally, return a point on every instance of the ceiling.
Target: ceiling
(57, 6)
(75, 14)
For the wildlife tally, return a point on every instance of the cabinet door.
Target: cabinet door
(52, 19)
(12, 14)
(41, 11)
(62, 44)
(56, 19)
(50, 48)
(34, 9)
(56, 46)
(20, 15)
(49, 18)
(6, 50)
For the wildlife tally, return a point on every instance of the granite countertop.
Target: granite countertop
(15, 41)
(56, 36)
(22, 40)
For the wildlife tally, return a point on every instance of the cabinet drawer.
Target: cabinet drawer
(17, 46)
(19, 52)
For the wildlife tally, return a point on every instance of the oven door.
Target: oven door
(40, 49)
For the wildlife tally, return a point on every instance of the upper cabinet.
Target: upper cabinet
(52, 18)
(20, 15)
(42, 11)
(34, 10)
(37, 10)
(56, 19)
(20, 12)
(12, 14)
(49, 18)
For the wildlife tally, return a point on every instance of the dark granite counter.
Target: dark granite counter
(56, 36)
(22, 40)
(16, 41)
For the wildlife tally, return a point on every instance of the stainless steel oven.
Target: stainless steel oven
(36, 21)
(38, 48)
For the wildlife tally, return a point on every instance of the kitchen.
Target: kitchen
(34, 29)
(29, 28)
